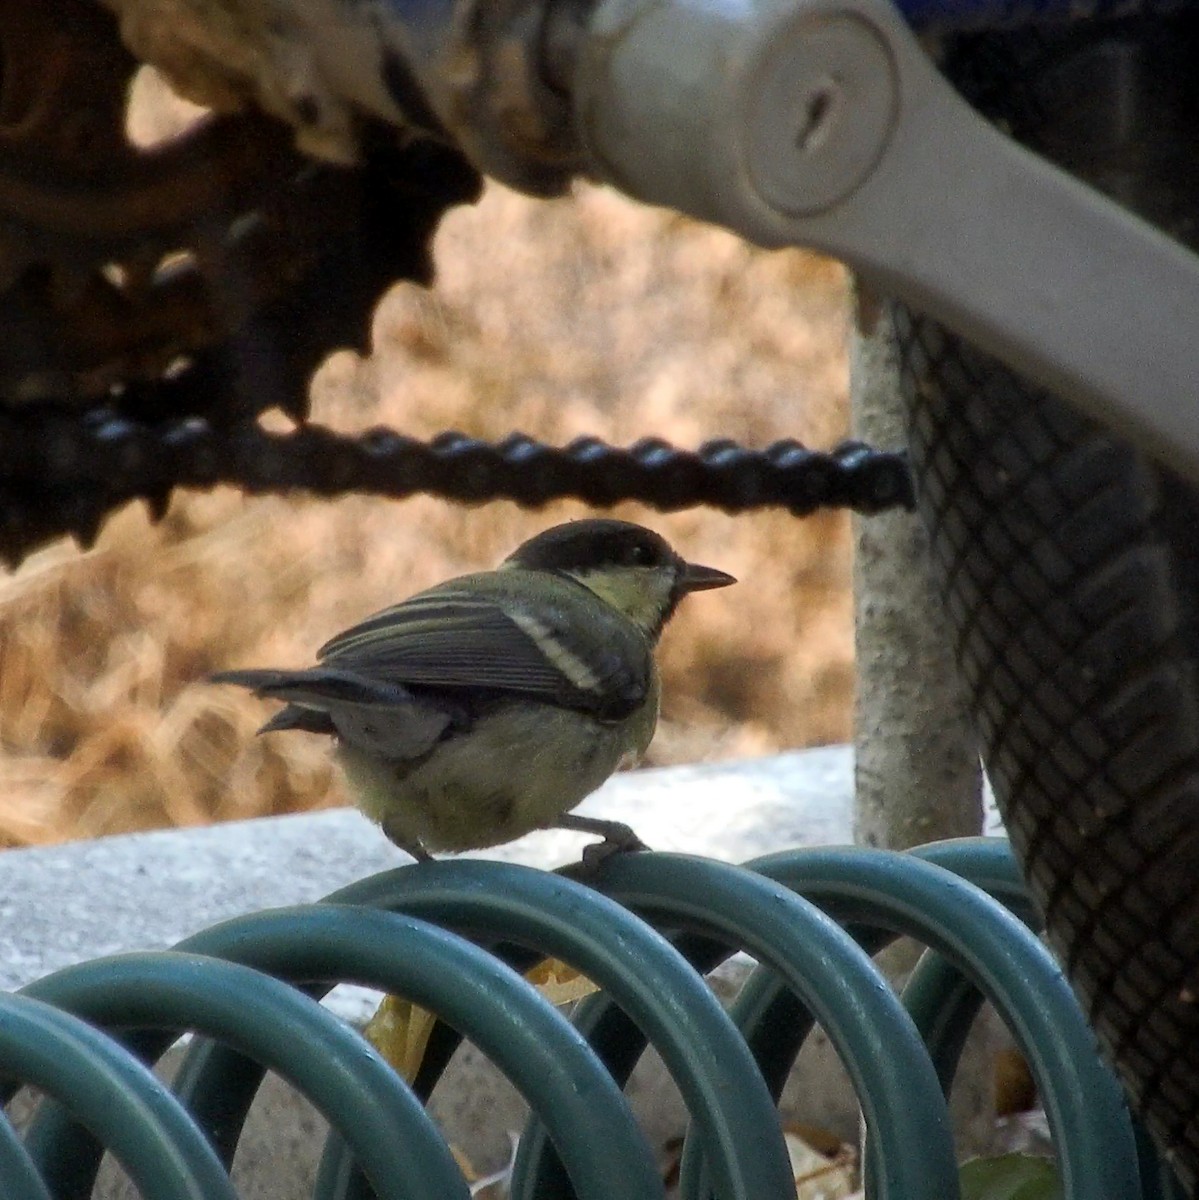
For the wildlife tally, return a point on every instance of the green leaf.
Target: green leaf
(1010, 1177)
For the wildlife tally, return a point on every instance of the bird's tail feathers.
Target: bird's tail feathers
(258, 681)
(296, 716)
(317, 687)
(384, 719)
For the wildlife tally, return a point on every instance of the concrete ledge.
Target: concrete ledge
(145, 891)
(65, 904)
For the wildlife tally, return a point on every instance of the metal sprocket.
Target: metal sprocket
(208, 274)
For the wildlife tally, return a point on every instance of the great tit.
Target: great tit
(492, 704)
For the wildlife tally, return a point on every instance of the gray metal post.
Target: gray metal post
(917, 767)
(917, 774)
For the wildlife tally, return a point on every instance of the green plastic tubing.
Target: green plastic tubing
(114, 1095)
(893, 894)
(988, 863)
(529, 1041)
(328, 1062)
(952, 1001)
(809, 955)
(811, 917)
(709, 1061)
(19, 1176)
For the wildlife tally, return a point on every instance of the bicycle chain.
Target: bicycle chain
(60, 474)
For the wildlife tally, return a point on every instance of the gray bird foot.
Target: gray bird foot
(408, 845)
(618, 839)
(598, 853)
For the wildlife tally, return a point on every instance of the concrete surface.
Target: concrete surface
(68, 903)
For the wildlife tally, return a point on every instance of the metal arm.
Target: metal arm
(826, 125)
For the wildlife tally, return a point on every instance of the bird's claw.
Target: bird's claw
(598, 853)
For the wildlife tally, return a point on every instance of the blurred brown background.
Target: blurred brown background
(590, 315)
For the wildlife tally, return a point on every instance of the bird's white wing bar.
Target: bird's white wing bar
(454, 639)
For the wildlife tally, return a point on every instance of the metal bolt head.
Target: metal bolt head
(821, 109)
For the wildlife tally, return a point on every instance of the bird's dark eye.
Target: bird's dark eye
(640, 555)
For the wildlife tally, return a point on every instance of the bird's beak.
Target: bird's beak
(695, 578)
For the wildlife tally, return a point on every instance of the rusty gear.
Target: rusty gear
(220, 262)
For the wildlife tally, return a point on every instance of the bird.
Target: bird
(492, 704)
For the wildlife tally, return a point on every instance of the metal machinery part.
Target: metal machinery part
(208, 273)
(111, 459)
(793, 122)
(826, 125)
(157, 298)
(208, 278)
(467, 72)
(202, 278)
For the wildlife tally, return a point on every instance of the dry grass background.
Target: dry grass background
(588, 315)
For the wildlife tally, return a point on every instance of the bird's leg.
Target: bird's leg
(618, 837)
(408, 844)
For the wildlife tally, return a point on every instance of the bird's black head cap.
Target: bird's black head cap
(580, 546)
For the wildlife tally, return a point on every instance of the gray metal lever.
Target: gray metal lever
(805, 122)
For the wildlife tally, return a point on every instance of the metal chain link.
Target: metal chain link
(60, 474)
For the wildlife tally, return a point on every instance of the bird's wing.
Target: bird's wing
(453, 638)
